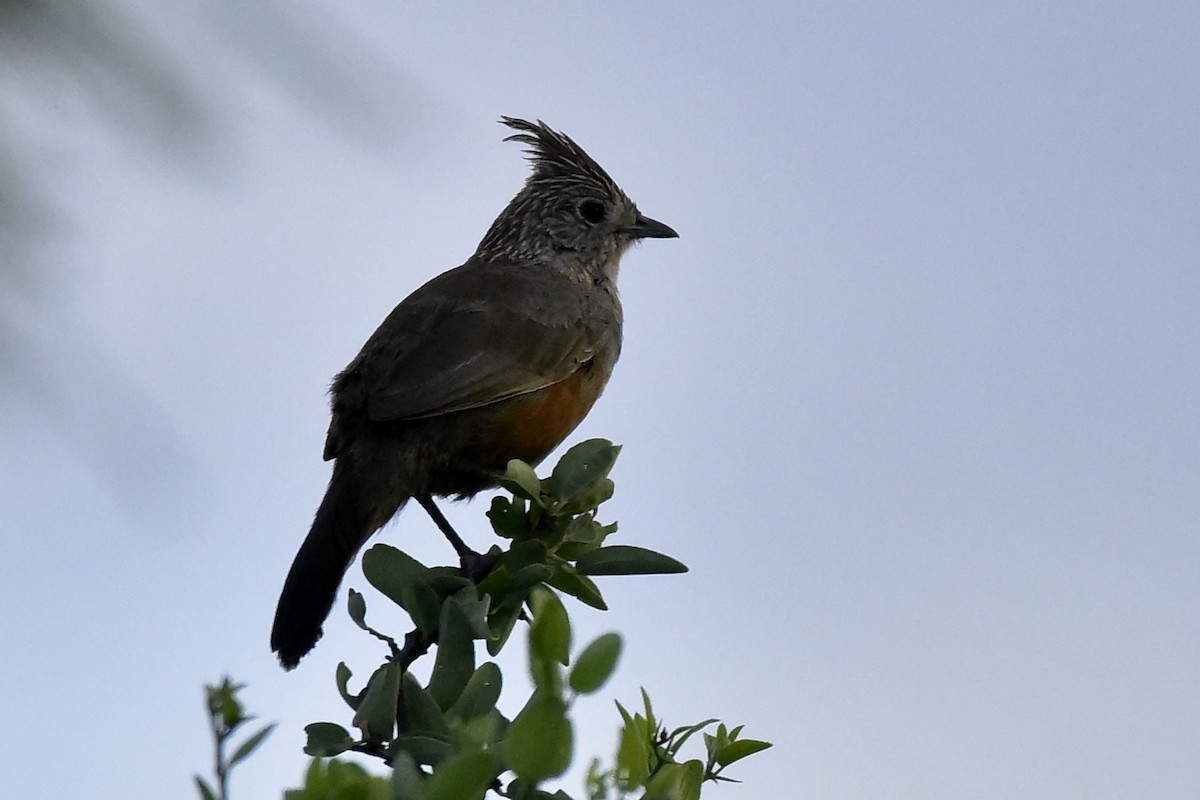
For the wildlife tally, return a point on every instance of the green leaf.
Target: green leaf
(597, 781)
(250, 745)
(427, 750)
(425, 607)
(474, 609)
(676, 782)
(376, 714)
(390, 571)
(405, 581)
(314, 780)
(346, 780)
(357, 606)
(596, 664)
(326, 739)
(485, 731)
(633, 753)
(540, 739)
(466, 776)
(583, 529)
(455, 659)
(333, 779)
(582, 588)
(480, 694)
(600, 493)
(518, 789)
(523, 554)
(406, 779)
(422, 714)
(682, 734)
(582, 535)
(505, 581)
(528, 577)
(549, 640)
(651, 722)
(507, 517)
(206, 792)
(624, 559)
(520, 479)
(342, 679)
(550, 631)
(447, 580)
(223, 704)
(626, 717)
(581, 469)
(522, 567)
(737, 750)
(502, 620)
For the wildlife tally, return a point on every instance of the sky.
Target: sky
(916, 393)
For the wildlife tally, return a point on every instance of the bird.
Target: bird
(497, 359)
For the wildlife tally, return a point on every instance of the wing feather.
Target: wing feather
(470, 338)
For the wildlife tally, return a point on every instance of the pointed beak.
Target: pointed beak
(645, 228)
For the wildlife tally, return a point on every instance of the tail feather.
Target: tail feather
(342, 525)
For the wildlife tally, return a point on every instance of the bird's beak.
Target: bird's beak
(645, 228)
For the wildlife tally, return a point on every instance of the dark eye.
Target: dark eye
(592, 211)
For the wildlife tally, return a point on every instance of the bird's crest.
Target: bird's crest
(554, 155)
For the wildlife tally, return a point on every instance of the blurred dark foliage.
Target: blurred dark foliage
(121, 67)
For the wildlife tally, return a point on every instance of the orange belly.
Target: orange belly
(530, 426)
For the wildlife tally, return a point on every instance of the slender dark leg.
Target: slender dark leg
(444, 526)
(475, 565)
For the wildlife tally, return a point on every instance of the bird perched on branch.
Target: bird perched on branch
(497, 359)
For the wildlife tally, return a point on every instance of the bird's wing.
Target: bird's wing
(470, 338)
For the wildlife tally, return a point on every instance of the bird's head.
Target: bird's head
(569, 210)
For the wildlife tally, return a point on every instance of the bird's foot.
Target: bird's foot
(477, 566)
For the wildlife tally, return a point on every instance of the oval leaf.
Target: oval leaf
(581, 469)
(521, 480)
(393, 572)
(676, 782)
(566, 579)
(462, 777)
(455, 661)
(407, 782)
(600, 493)
(376, 714)
(423, 606)
(357, 606)
(735, 751)
(507, 516)
(624, 559)
(550, 631)
(596, 664)
(326, 739)
(540, 740)
(481, 693)
(424, 715)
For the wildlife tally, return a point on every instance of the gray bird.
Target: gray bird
(498, 359)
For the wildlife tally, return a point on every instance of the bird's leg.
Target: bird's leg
(444, 526)
(474, 565)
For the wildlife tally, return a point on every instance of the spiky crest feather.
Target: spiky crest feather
(555, 155)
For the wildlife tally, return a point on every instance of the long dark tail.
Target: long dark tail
(342, 525)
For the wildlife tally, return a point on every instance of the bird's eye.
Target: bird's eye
(592, 211)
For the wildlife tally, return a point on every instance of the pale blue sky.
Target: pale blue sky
(916, 394)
